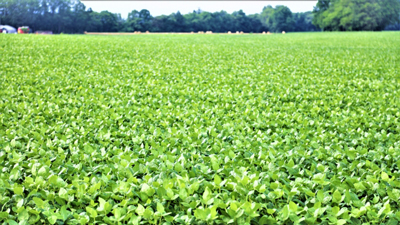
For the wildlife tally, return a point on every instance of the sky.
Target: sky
(157, 8)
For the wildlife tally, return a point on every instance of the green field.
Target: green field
(200, 129)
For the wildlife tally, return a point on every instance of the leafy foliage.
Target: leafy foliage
(279, 19)
(356, 15)
(192, 129)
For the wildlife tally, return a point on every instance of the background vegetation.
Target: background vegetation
(71, 16)
(356, 15)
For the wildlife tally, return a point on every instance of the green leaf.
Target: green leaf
(147, 189)
(140, 210)
(64, 213)
(52, 218)
(12, 222)
(18, 190)
(63, 194)
(385, 177)
(200, 214)
(320, 195)
(147, 214)
(160, 208)
(135, 219)
(337, 197)
(217, 180)
(104, 206)
(285, 212)
(207, 194)
(92, 212)
(15, 173)
(290, 164)
(335, 210)
(292, 206)
(118, 213)
(360, 186)
(39, 202)
(385, 209)
(23, 215)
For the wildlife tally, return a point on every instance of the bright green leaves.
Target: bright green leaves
(92, 212)
(146, 213)
(385, 209)
(337, 197)
(285, 213)
(385, 177)
(52, 218)
(217, 180)
(65, 214)
(40, 204)
(289, 211)
(63, 194)
(147, 190)
(140, 210)
(23, 215)
(320, 179)
(119, 214)
(18, 190)
(195, 132)
(292, 206)
(234, 211)
(208, 214)
(104, 206)
(15, 173)
(207, 196)
(160, 208)
(359, 186)
(43, 171)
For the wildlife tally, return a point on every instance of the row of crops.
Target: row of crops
(182, 129)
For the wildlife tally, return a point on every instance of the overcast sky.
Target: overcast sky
(157, 8)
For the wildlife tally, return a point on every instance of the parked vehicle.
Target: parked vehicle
(7, 29)
(23, 30)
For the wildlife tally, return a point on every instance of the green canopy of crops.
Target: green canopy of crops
(200, 129)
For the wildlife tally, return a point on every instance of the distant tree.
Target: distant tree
(319, 9)
(105, 21)
(390, 13)
(256, 24)
(303, 22)
(94, 24)
(180, 23)
(80, 18)
(281, 19)
(356, 15)
(145, 19)
(159, 23)
(206, 19)
(133, 21)
(265, 15)
(394, 26)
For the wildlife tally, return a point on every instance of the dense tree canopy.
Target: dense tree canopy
(71, 16)
(280, 19)
(356, 15)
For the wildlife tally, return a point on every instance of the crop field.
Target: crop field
(195, 129)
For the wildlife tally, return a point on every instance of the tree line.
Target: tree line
(72, 16)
